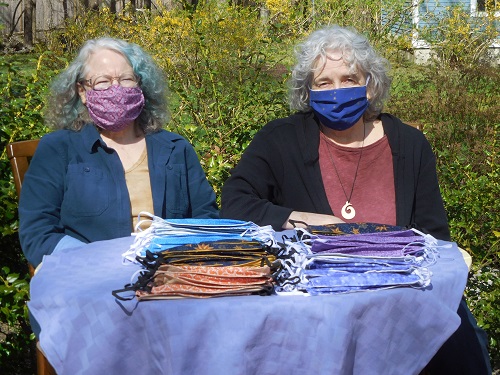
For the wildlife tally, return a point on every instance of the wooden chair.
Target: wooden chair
(19, 154)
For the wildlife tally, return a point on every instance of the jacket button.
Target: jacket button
(86, 169)
(169, 167)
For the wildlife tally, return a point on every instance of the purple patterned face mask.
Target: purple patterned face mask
(115, 108)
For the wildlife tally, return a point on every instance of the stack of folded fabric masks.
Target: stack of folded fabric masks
(200, 258)
(386, 257)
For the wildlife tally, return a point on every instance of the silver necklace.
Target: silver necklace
(348, 212)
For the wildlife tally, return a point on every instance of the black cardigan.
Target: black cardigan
(279, 173)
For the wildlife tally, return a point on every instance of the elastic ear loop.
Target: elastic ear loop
(305, 236)
(263, 234)
(425, 277)
(141, 221)
(295, 222)
(292, 265)
(142, 238)
(142, 282)
(429, 256)
(432, 245)
(429, 239)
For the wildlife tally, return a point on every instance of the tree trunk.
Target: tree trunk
(65, 9)
(29, 21)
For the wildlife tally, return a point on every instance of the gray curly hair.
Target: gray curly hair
(65, 109)
(357, 53)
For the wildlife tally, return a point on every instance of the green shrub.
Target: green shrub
(227, 66)
(15, 332)
(225, 85)
(460, 114)
(459, 40)
(459, 110)
(24, 80)
(24, 85)
(483, 294)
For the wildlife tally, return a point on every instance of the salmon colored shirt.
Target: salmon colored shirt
(373, 196)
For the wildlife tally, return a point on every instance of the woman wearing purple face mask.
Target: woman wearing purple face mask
(110, 158)
(340, 159)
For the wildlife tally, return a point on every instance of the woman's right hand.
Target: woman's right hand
(301, 218)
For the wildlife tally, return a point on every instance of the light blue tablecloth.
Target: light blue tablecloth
(85, 330)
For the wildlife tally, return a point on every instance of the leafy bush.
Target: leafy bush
(227, 66)
(15, 332)
(460, 113)
(456, 100)
(460, 40)
(22, 96)
(24, 80)
(225, 85)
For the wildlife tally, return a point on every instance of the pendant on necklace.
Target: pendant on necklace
(348, 211)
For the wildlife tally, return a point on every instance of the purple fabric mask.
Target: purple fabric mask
(395, 244)
(115, 108)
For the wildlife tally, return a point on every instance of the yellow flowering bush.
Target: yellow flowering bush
(460, 40)
(226, 66)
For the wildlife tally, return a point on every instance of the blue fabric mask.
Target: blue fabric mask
(164, 234)
(339, 109)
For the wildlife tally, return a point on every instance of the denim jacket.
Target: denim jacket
(75, 186)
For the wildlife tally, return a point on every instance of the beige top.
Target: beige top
(139, 188)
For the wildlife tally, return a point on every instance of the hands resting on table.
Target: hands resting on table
(298, 219)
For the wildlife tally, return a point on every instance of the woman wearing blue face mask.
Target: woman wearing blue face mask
(340, 159)
(110, 159)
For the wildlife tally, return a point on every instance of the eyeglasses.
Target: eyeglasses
(104, 82)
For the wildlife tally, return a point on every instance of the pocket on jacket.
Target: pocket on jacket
(87, 190)
(176, 191)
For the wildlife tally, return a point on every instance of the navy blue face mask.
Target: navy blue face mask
(339, 109)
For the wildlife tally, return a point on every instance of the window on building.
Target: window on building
(488, 5)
